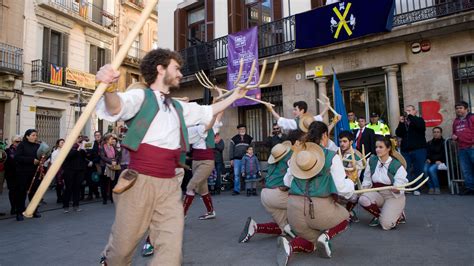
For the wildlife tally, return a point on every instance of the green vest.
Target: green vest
(379, 128)
(392, 168)
(321, 186)
(276, 172)
(353, 125)
(210, 143)
(139, 124)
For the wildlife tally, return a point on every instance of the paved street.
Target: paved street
(439, 231)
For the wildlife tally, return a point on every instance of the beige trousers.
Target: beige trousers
(391, 207)
(151, 204)
(275, 202)
(327, 214)
(201, 171)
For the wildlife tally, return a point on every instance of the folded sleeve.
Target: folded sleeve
(130, 103)
(367, 183)
(196, 133)
(194, 113)
(400, 178)
(345, 187)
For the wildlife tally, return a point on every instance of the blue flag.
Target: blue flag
(340, 108)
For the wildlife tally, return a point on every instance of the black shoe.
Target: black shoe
(467, 192)
(248, 193)
(19, 217)
(36, 214)
(2, 214)
(235, 193)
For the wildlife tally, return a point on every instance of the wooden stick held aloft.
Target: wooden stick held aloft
(71, 139)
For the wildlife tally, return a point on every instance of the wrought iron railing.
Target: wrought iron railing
(278, 37)
(87, 11)
(43, 71)
(410, 11)
(11, 58)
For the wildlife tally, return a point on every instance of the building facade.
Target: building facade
(65, 43)
(11, 66)
(427, 60)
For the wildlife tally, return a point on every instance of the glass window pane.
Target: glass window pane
(196, 15)
(355, 101)
(266, 11)
(377, 102)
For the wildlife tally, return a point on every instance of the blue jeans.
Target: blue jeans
(219, 171)
(415, 159)
(431, 170)
(237, 170)
(466, 161)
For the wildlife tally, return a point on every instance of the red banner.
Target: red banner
(430, 113)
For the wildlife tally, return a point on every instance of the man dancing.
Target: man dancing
(157, 140)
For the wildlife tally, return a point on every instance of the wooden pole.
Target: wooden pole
(71, 139)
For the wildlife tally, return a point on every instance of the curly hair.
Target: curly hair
(155, 58)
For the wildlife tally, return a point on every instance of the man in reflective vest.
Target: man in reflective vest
(352, 120)
(379, 128)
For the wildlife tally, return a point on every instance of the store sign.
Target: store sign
(80, 79)
(430, 113)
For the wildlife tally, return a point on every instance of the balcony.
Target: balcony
(45, 72)
(11, 59)
(278, 37)
(134, 56)
(85, 13)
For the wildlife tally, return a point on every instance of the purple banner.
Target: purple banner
(243, 44)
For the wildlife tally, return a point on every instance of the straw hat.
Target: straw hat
(399, 157)
(304, 122)
(307, 161)
(279, 151)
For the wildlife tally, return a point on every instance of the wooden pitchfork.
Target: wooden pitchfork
(71, 139)
(400, 187)
(205, 82)
(356, 164)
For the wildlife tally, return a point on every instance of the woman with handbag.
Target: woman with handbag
(110, 162)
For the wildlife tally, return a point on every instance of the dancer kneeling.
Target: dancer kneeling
(317, 175)
(385, 169)
(274, 196)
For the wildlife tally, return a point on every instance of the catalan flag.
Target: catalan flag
(83, 5)
(56, 75)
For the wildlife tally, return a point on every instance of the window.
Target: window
(259, 122)
(463, 74)
(258, 12)
(317, 3)
(55, 47)
(135, 49)
(196, 26)
(98, 58)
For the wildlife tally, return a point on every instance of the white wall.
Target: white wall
(221, 19)
(165, 30)
(295, 6)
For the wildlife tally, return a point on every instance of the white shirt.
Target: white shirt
(164, 131)
(381, 175)
(197, 135)
(360, 131)
(332, 146)
(345, 187)
(54, 155)
(290, 124)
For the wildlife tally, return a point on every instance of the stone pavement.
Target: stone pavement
(439, 231)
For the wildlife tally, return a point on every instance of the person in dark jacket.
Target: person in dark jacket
(26, 164)
(74, 167)
(277, 137)
(435, 157)
(95, 158)
(110, 158)
(411, 130)
(219, 161)
(10, 173)
(238, 147)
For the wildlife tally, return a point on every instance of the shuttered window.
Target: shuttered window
(98, 58)
(55, 47)
(195, 22)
